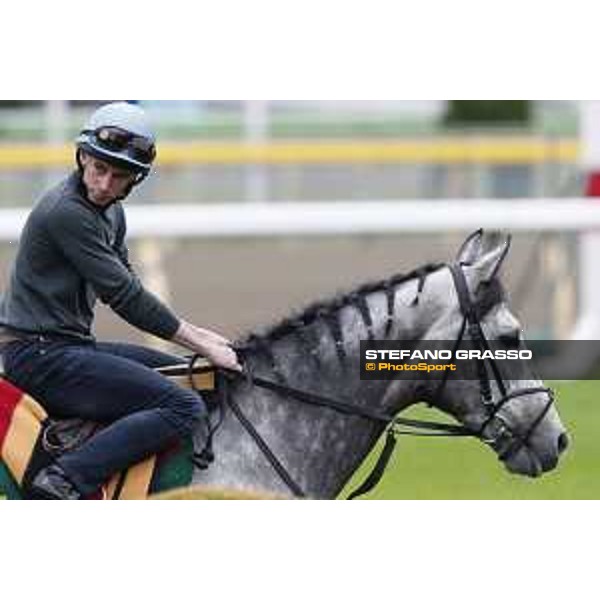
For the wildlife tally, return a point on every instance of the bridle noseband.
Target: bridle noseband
(472, 324)
(494, 429)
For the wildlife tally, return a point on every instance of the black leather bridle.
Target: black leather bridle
(494, 430)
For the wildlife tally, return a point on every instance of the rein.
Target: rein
(394, 425)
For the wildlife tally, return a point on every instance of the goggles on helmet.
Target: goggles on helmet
(114, 139)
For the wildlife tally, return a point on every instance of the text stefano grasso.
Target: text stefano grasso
(496, 354)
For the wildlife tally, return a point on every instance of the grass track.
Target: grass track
(464, 469)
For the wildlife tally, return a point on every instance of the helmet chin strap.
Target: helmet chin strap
(78, 159)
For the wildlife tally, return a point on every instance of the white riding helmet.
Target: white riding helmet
(120, 134)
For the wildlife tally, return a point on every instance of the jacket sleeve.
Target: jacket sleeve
(78, 233)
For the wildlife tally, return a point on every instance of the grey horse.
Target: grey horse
(318, 352)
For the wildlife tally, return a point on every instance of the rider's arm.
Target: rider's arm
(80, 234)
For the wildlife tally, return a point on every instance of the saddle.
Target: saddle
(30, 439)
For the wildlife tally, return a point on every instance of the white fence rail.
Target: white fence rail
(377, 216)
(328, 218)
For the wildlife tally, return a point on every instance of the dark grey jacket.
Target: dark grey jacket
(72, 252)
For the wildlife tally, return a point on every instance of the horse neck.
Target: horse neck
(321, 447)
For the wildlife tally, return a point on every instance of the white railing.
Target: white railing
(329, 218)
(376, 217)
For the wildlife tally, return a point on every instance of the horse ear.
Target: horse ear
(488, 265)
(471, 248)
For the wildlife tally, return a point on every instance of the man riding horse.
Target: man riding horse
(73, 251)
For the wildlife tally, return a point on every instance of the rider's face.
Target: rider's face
(103, 181)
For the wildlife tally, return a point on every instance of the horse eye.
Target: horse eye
(512, 340)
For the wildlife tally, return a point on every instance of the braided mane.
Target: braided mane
(323, 309)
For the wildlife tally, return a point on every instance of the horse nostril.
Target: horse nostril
(563, 442)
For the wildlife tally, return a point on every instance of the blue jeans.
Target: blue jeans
(112, 384)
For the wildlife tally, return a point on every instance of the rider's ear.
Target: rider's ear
(487, 266)
(471, 248)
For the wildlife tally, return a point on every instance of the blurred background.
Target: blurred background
(257, 208)
(245, 154)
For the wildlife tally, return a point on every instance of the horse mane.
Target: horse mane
(487, 296)
(325, 308)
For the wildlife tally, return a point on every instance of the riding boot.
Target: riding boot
(52, 483)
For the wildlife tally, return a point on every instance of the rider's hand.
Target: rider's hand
(216, 348)
(222, 355)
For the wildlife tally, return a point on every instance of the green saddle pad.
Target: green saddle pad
(174, 469)
(8, 487)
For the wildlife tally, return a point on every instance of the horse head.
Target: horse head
(516, 417)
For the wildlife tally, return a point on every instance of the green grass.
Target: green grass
(458, 468)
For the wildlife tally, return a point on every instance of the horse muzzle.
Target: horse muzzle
(535, 459)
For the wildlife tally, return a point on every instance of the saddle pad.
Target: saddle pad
(21, 419)
(22, 422)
